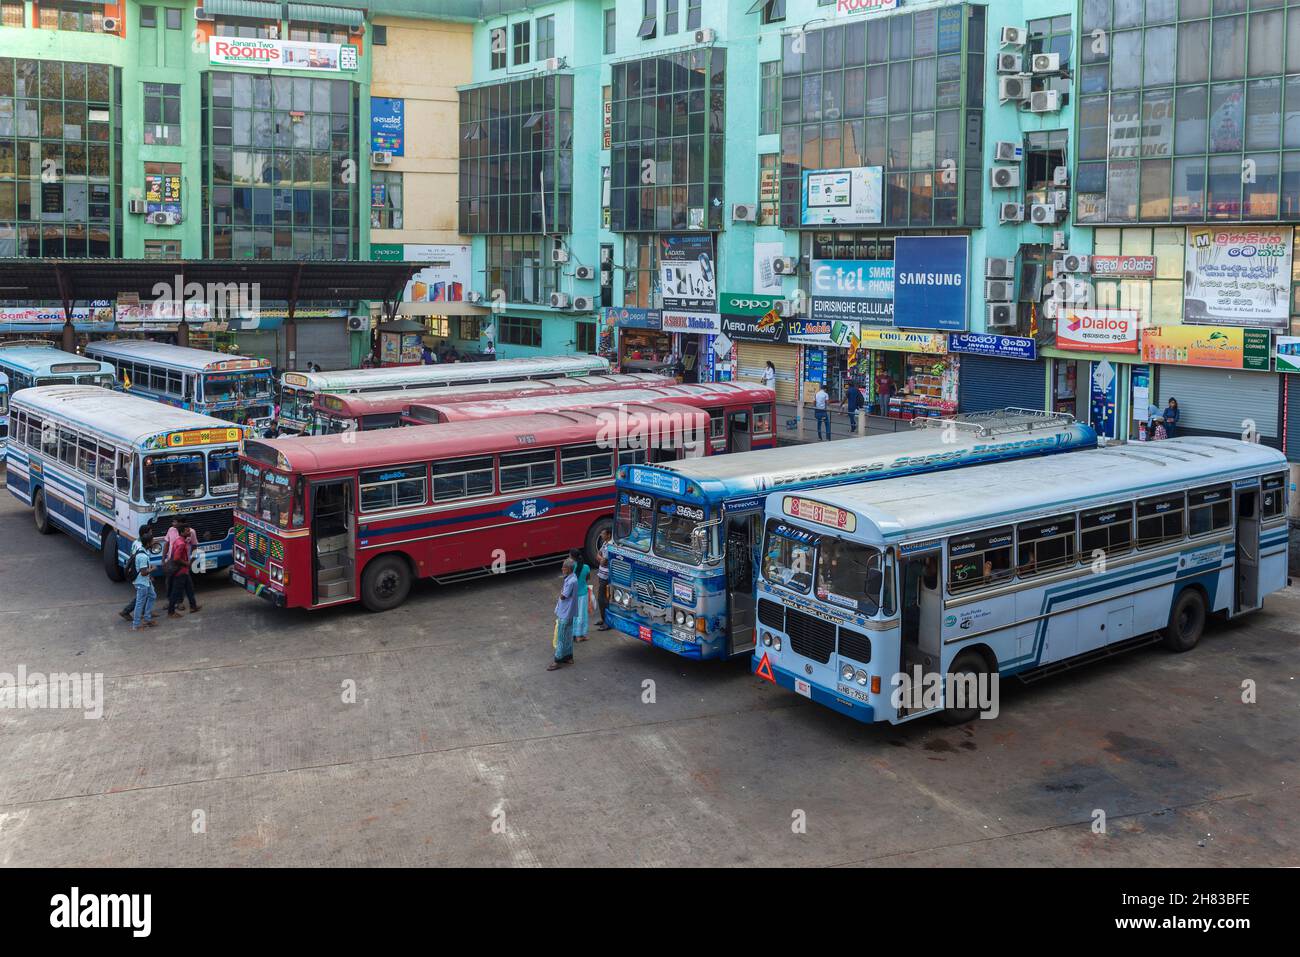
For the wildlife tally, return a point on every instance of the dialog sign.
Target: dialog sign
(819, 513)
(688, 278)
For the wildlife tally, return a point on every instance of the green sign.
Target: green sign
(746, 304)
(1255, 349)
(387, 252)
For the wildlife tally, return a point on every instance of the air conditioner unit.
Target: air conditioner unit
(1011, 212)
(1068, 289)
(357, 30)
(473, 296)
(999, 315)
(109, 24)
(1051, 309)
(1044, 101)
(358, 323)
(1058, 241)
(1013, 36)
(553, 63)
(1008, 151)
(1061, 176)
(999, 290)
(996, 268)
(789, 307)
(381, 158)
(582, 303)
(559, 255)
(1004, 177)
(201, 14)
(1072, 262)
(1046, 62)
(135, 207)
(162, 219)
(1012, 88)
(743, 212)
(1043, 214)
(559, 300)
(1060, 199)
(584, 272)
(785, 266)
(707, 35)
(1010, 63)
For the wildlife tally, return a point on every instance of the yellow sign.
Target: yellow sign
(293, 378)
(900, 341)
(180, 440)
(1218, 347)
(819, 513)
(332, 402)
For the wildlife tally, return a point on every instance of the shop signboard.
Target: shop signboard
(696, 323)
(1238, 276)
(1103, 398)
(861, 290)
(388, 124)
(1002, 347)
(162, 193)
(688, 275)
(814, 365)
(822, 332)
(897, 340)
(97, 317)
(1097, 330)
(630, 317)
(842, 197)
(930, 280)
(862, 7)
(751, 317)
(1215, 347)
(1123, 267)
(282, 54)
(1288, 353)
(445, 279)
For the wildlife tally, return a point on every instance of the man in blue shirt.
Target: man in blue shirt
(565, 609)
(855, 401)
(139, 572)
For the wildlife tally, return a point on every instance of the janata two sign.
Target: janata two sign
(850, 7)
(1098, 330)
(282, 54)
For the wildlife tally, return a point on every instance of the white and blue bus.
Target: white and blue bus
(232, 388)
(4, 413)
(686, 534)
(100, 465)
(871, 595)
(28, 364)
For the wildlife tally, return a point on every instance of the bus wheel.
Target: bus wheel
(385, 583)
(966, 663)
(108, 552)
(600, 532)
(39, 513)
(1186, 621)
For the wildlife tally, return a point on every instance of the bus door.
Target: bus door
(920, 642)
(741, 540)
(738, 432)
(333, 540)
(1247, 586)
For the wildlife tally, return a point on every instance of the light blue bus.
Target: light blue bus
(236, 389)
(28, 364)
(99, 465)
(686, 534)
(873, 595)
(4, 413)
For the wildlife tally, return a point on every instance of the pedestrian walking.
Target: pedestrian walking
(854, 401)
(582, 572)
(822, 412)
(181, 582)
(564, 618)
(602, 585)
(139, 573)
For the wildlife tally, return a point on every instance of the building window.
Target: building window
(641, 271)
(545, 37)
(519, 331)
(611, 32)
(162, 249)
(148, 16)
(11, 13)
(318, 33)
(385, 200)
(1044, 153)
(521, 268)
(1052, 35)
(586, 337)
(379, 35)
(670, 17)
(666, 137)
(275, 152)
(467, 328)
(649, 23)
(769, 189)
(64, 122)
(516, 156)
(162, 114)
(693, 8)
(497, 49)
(773, 11)
(173, 17)
(245, 28)
(73, 17)
(521, 45)
(1161, 296)
(770, 97)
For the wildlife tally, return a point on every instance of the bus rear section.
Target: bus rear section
(328, 520)
(899, 599)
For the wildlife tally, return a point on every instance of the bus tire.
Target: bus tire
(108, 552)
(1186, 620)
(600, 529)
(385, 583)
(40, 514)
(968, 662)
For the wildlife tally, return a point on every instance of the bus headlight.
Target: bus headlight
(277, 572)
(239, 555)
(846, 673)
(767, 639)
(862, 677)
(156, 548)
(679, 616)
(776, 642)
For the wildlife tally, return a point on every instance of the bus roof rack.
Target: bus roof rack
(999, 421)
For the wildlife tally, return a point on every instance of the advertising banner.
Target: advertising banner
(162, 193)
(445, 279)
(688, 278)
(861, 290)
(821, 332)
(629, 317)
(1097, 330)
(851, 7)
(930, 278)
(1102, 398)
(1238, 276)
(709, 323)
(98, 317)
(766, 279)
(1217, 347)
(1124, 267)
(842, 197)
(388, 124)
(1288, 353)
(1002, 347)
(896, 340)
(282, 54)
(751, 317)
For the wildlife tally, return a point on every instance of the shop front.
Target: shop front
(758, 336)
(998, 372)
(915, 367)
(693, 335)
(830, 353)
(1091, 370)
(642, 344)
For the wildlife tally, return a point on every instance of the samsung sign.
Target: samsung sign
(930, 279)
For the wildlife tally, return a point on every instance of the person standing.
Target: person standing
(564, 618)
(822, 411)
(853, 400)
(602, 585)
(1170, 416)
(884, 391)
(181, 587)
(141, 572)
(582, 572)
(177, 530)
(769, 376)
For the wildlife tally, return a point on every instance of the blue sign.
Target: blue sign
(930, 279)
(1004, 347)
(630, 317)
(858, 290)
(529, 508)
(814, 365)
(659, 481)
(387, 124)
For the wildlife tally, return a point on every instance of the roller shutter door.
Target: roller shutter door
(1291, 384)
(262, 343)
(1217, 401)
(754, 357)
(325, 342)
(985, 383)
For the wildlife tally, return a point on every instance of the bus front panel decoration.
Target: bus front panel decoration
(99, 465)
(891, 600)
(686, 540)
(326, 520)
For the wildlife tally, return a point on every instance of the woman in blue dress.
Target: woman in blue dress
(583, 571)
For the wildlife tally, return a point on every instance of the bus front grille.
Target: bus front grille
(771, 614)
(809, 636)
(855, 645)
(651, 587)
(620, 571)
(210, 526)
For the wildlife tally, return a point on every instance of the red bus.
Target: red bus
(326, 520)
(740, 416)
(361, 412)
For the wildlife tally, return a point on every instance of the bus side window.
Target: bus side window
(1273, 498)
(122, 472)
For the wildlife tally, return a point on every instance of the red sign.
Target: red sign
(1098, 330)
(765, 670)
(643, 632)
(1124, 267)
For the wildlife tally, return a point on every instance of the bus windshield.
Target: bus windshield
(223, 471)
(103, 380)
(675, 533)
(173, 475)
(265, 493)
(632, 522)
(235, 386)
(788, 560)
(296, 404)
(247, 413)
(849, 575)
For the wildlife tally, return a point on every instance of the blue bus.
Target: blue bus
(686, 534)
(28, 364)
(99, 465)
(233, 388)
(891, 600)
(4, 413)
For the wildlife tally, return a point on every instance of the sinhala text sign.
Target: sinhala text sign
(1238, 276)
(1215, 347)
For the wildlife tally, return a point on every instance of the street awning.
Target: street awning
(252, 9)
(318, 13)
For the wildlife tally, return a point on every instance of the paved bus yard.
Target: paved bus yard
(232, 723)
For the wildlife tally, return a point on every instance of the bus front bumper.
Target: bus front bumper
(658, 635)
(259, 589)
(858, 710)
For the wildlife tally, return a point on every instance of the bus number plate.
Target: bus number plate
(643, 632)
(803, 687)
